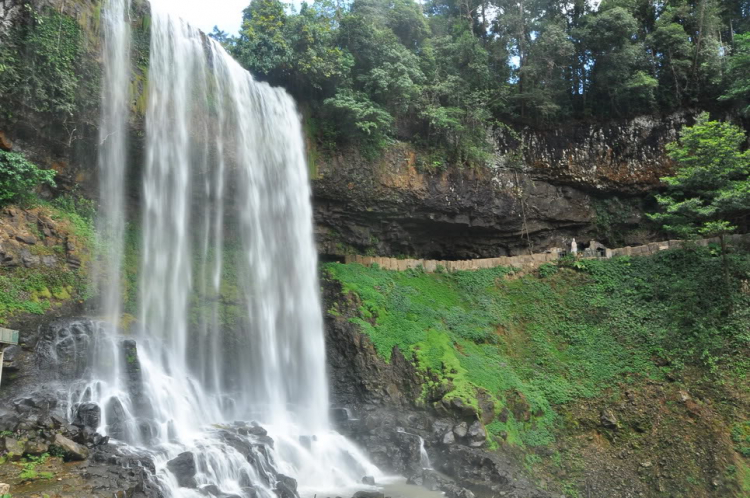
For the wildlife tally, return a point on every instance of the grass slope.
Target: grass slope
(534, 342)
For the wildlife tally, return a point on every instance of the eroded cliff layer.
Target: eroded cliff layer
(540, 189)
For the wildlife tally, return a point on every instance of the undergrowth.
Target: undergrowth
(35, 290)
(535, 342)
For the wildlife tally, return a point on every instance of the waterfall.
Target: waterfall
(226, 230)
(424, 458)
(103, 376)
(113, 154)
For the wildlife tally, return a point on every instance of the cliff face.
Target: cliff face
(50, 77)
(541, 189)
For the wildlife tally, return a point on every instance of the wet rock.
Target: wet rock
(28, 423)
(339, 414)
(13, 448)
(58, 422)
(8, 422)
(369, 480)
(88, 415)
(286, 487)
(416, 479)
(38, 401)
(72, 450)
(257, 431)
(183, 468)
(369, 494)
(210, 490)
(449, 438)
(476, 431)
(116, 418)
(35, 447)
(608, 419)
(460, 430)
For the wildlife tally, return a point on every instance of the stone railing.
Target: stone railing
(533, 261)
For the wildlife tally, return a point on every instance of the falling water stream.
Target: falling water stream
(224, 169)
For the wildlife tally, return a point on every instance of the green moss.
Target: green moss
(34, 290)
(46, 67)
(536, 342)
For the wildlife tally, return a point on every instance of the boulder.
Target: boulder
(608, 419)
(26, 239)
(258, 431)
(477, 432)
(183, 468)
(286, 487)
(460, 430)
(369, 494)
(35, 447)
(72, 450)
(4, 489)
(449, 438)
(116, 418)
(13, 448)
(339, 414)
(88, 415)
(369, 480)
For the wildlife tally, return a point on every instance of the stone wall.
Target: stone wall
(532, 261)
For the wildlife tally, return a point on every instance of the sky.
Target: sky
(205, 14)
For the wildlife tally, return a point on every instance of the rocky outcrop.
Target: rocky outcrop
(624, 156)
(540, 189)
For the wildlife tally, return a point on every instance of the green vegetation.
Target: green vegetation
(739, 73)
(711, 187)
(741, 438)
(37, 289)
(442, 73)
(43, 68)
(539, 341)
(19, 178)
(29, 471)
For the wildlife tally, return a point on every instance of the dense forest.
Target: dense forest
(444, 72)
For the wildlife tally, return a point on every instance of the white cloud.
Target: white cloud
(205, 14)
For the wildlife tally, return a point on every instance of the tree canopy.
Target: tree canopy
(709, 193)
(442, 73)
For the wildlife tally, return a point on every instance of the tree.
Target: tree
(545, 88)
(223, 38)
(739, 73)
(620, 80)
(263, 47)
(19, 178)
(710, 191)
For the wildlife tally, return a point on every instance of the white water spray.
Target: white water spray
(113, 155)
(224, 162)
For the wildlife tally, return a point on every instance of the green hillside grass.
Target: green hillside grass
(534, 342)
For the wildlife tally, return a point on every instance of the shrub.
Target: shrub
(19, 177)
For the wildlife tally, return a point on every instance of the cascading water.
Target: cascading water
(104, 380)
(424, 458)
(113, 132)
(226, 226)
